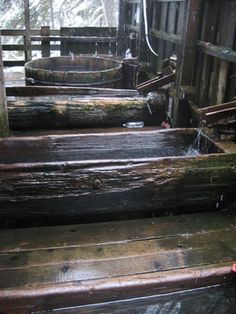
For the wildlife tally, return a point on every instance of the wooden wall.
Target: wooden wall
(215, 76)
(201, 34)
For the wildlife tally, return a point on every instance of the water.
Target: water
(197, 142)
(207, 300)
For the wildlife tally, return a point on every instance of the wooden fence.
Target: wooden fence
(75, 40)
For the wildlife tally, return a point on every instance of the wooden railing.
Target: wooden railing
(75, 40)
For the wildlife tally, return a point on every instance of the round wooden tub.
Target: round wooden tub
(74, 71)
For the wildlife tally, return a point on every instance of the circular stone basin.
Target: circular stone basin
(74, 71)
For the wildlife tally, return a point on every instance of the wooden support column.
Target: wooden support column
(45, 31)
(4, 127)
(27, 40)
(226, 38)
(187, 58)
(122, 35)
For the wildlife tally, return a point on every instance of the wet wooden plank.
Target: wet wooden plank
(166, 76)
(104, 233)
(184, 250)
(219, 115)
(51, 270)
(33, 91)
(71, 294)
(116, 269)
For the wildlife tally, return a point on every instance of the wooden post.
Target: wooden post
(4, 127)
(226, 38)
(122, 35)
(27, 40)
(187, 59)
(45, 31)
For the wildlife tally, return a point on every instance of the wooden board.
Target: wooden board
(47, 268)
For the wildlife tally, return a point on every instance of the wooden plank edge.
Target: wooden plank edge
(221, 52)
(66, 90)
(47, 297)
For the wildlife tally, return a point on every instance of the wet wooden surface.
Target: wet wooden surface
(62, 179)
(63, 111)
(52, 267)
(32, 91)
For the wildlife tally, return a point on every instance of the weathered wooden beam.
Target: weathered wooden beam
(174, 38)
(165, 77)
(15, 47)
(72, 294)
(218, 115)
(4, 127)
(27, 40)
(25, 91)
(21, 32)
(12, 63)
(218, 51)
(71, 112)
(45, 31)
(187, 58)
(122, 35)
(78, 39)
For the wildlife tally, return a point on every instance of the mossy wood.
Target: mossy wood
(53, 179)
(73, 112)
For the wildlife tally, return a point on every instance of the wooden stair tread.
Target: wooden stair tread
(102, 251)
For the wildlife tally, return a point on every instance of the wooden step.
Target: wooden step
(48, 268)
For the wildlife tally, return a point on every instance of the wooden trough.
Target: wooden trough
(73, 178)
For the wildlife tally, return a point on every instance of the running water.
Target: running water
(196, 148)
(71, 54)
(197, 142)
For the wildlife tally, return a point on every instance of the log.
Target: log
(71, 178)
(72, 112)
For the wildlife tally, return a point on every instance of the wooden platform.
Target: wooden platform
(64, 266)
